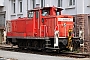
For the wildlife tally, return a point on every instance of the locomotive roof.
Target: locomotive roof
(36, 9)
(51, 7)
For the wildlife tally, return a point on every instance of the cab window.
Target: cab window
(37, 14)
(57, 13)
(30, 15)
(45, 12)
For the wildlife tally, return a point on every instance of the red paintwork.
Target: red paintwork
(34, 27)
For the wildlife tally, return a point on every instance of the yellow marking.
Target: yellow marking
(70, 39)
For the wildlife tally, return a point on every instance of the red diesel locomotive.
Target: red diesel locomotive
(45, 28)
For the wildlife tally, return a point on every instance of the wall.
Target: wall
(80, 7)
(83, 22)
(87, 7)
(1, 2)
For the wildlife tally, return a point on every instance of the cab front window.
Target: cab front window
(30, 15)
(57, 13)
(45, 12)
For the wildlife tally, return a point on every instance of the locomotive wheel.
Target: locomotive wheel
(28, 44)
(43, 46)
(58, 51)
(36, 44)
(21, 44)
(7, 41)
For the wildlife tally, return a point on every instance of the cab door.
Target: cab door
(37, 24)
(43, 31)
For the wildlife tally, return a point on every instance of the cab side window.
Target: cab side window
(57, 13)
(37, 14)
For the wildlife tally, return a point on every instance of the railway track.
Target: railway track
(61, 54)
(2, 58)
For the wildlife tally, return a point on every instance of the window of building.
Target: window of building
(13, 6)
(33, 3)
(20, 6)
(71, 2)
(59, 3)
(41, 3)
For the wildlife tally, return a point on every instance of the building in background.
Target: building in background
(2, 20)
(80, 9)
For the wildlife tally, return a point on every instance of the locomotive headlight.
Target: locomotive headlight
(64, 24)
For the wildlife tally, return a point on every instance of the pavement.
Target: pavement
(28, 56)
